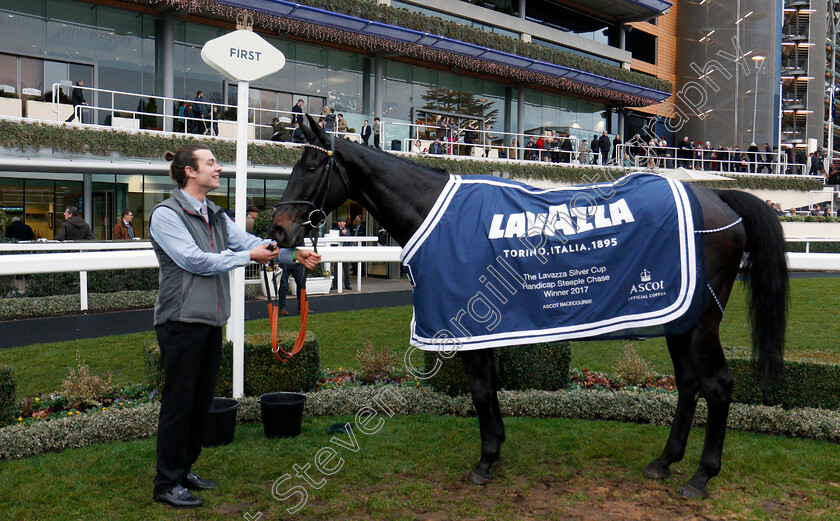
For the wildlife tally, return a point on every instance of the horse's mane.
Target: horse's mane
(391, 159)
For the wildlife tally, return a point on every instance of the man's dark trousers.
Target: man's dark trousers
(190, 355)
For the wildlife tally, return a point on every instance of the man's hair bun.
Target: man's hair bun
(169, 156)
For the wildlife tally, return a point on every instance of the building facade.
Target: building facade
(498, 64)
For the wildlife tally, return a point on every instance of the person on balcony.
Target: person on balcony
(19, 231)
(77, 97)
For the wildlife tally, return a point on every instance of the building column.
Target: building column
(520, 122)
(378, 87)
(522, 9)
(87, 198)
(168, 56)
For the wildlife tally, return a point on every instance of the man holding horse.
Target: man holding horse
(196, 244)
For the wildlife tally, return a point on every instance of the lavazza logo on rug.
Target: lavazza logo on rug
(647, 289)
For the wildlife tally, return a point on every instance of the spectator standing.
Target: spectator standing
(583, 153)
(329, 120)
(74, 228)
(487, 139)
(297, 134)
(366, 133)
(184, 112)
(594, 148)
(752, 158)
(297, 271)
(123, 229)
(816, 211)
(341, 124)
(377, 128)
(19, 231)
(768, 158)
(684, 152)
(616, 142)
(199, 113)
(251, 214)
(297, 112)
(77, 97)
(344, 231)
(814, 163)
(567, 149)
(196, 245)
(604, 147)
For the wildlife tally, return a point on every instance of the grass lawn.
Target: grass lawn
(414, 468)
(811, 330)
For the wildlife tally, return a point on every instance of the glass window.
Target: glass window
(8, 73)
(129, 195)
(31, 77)
(274, 189)
(11, 197)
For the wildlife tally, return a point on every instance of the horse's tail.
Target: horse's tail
(766, 276)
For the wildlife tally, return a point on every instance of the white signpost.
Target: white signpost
(241, 56)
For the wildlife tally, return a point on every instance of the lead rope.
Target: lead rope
(722, 228)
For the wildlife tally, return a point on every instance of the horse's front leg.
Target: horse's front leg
(481, 372)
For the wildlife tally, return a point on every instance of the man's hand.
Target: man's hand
(308, 258)
(264, 253)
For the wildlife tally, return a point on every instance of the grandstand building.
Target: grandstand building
(521, 66)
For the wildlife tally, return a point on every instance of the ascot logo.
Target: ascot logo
(646, 285)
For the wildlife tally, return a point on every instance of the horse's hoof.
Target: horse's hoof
(479, 479)
(690, 491)
(653, 471)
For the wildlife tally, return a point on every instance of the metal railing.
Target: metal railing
(493, 145)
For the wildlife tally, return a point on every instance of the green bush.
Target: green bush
(639, 406)
(7, 394)
(11, 308)
(264, 373)
(106, 281)
(805, 383)
(543, 366)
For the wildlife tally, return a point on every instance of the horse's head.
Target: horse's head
(317, 186)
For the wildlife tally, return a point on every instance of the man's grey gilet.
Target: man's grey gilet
(184, 296)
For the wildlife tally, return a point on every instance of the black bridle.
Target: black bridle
(317, 218)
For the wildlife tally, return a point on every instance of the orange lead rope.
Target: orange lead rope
(274, 315)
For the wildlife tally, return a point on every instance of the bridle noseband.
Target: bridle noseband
(318, 217)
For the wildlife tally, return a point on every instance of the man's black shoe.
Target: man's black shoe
(178, 497)
(348, 287)
(193, 482)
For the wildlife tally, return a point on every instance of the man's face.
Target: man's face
(67, 214)
(207, 175)
(128, 217)
(252, 215)
(341, 224)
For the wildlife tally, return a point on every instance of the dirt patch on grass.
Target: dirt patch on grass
(577, 498)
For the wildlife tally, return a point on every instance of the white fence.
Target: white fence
(94, 256)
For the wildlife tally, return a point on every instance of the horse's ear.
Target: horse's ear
(314, 132)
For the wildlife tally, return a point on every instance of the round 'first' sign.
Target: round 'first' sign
(242, 56)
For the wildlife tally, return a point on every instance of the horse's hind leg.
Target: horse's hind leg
(716, 387)
(688, 386)
(481, 372)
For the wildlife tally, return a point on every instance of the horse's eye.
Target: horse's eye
(310, 170)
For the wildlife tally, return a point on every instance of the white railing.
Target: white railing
(627, 155)
(94, 256)
(712, 160)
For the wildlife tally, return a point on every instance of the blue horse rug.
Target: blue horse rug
(498, 263)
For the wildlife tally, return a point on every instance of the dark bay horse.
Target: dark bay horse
(400, 193)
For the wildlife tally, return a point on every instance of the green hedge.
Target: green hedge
(263, 372)
(543, 366)
(639, 406)
(34, 137)
(11, 308)
(805, 383)
(106, 281)
(7, 394)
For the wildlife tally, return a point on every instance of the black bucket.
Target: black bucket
(221, 422)
(282, 414)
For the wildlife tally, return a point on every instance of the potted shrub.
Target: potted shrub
(318, 281)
